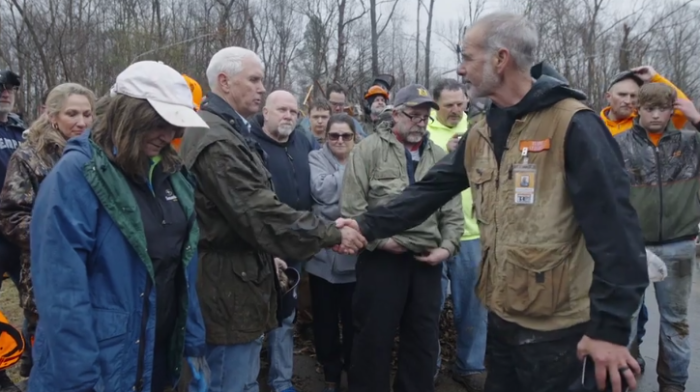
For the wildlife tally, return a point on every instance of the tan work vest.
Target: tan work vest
(535, 270)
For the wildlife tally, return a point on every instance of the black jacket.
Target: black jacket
(599, 189)
(166, 227)
(288, 163)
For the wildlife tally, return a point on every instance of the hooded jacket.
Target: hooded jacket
(600, 194)
(379, 169)
(665, 182)
(619, 126)
(94, 280)
(327, 189)
(288, 163)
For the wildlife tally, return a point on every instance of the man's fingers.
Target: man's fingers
(615, 379)
(601, 375)
(629, 376)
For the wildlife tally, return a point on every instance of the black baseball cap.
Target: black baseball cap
(624, 76)
(9, 79)
(414, 95)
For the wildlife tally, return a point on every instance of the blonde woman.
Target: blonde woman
(68, 113)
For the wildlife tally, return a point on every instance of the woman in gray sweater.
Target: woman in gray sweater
(331, 274)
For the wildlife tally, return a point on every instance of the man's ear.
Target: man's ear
(607, 96)
(222, 80)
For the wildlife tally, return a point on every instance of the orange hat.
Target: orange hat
(377, 90)
(196, 91)
(196, 100)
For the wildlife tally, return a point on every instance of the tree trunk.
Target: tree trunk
(427, 44)
(374, 37)
(418, 4)
(340, 57)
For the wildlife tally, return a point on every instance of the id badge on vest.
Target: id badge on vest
(524, 180)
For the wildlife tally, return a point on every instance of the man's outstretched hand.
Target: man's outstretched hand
(353, 240)
(610, 360)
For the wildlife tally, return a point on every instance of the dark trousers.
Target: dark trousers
(523, 360)
(395, 292)
(332, 303)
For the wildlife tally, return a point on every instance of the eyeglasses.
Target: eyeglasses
(345, 136)
(418, 119)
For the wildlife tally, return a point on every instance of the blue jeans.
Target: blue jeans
(281, 348)
(469, 313)
(234, 368)
(642, 322)
(673, 296)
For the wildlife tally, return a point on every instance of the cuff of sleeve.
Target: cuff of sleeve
(609, 332)
(449, 246)
(333, 236)
(365, 229)
(375, 244)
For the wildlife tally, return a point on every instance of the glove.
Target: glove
(200, 374)
(656, 267)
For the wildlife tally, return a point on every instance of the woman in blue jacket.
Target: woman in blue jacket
(113, 250)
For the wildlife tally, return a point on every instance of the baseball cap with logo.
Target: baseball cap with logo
(164, 88)
(414, 95)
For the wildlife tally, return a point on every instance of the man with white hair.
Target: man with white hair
(287, 159)
(563, 261)
(244, 226)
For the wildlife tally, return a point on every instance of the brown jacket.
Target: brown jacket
(536, 270)
(243, 225)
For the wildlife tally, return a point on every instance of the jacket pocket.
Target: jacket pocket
(386, 182)
(478, 179)
(343, 264)
(536, 279)
(253, 290)
(110, 328)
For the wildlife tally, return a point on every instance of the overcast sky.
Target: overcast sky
(447, 10)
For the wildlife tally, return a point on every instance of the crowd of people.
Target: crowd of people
(158, 228)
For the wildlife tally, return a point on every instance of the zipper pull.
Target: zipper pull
(510, 172)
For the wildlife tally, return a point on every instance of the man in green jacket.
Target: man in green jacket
(663, 164)
(243, 225)
(398, 278)
(462, 271)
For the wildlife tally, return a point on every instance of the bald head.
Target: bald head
(280, 114)
(279, 96)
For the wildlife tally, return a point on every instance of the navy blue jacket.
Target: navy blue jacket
(288, 163)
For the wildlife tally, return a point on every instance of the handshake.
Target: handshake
(353, 240)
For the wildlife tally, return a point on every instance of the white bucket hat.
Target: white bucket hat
(164, 88)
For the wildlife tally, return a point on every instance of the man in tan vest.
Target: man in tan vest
(564, 265)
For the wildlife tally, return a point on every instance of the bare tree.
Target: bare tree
(376, 21)
(428, 33)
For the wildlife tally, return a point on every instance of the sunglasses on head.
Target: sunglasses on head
(345, 136)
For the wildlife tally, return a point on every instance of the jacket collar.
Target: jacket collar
(216, 105)
(639, 130)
